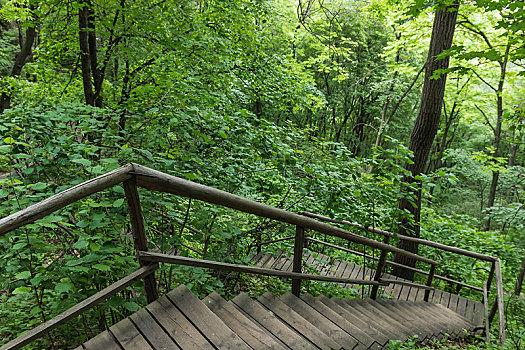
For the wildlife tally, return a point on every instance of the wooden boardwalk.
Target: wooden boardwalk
(322, 264)
(179, 320)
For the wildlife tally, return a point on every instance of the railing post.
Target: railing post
(380, 267)
(297, 259)
(499, 289)
(486, 310)
(429, 281)
(139, 234)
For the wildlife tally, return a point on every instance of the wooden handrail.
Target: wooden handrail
(404, 237)
(62, 199)
(389, 262)
(76, 310)
(158, 181)
(182, 260)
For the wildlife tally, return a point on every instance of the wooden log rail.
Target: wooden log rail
(76, 310)
(497, 307)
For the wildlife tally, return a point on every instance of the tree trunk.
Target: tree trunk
(497, 135)
(85, 59)
(519, 280)
(425, 129)
(20, 61)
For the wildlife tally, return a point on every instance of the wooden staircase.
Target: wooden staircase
(324, 265)
(179, 320)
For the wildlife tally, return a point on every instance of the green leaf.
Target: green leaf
(9, 140)
(63, 287)
(22, 290)
(4, 149)
(39, 186)
(23, 275)
(83, 161)
(131, 306)
(102, 267)
(118, 203)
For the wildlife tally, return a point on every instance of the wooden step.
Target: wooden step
(252, 334)
(297, 322)
(324, 324)
(272, 324)
(206, 321)
(362, 337)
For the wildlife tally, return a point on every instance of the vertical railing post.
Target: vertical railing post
(494, 307)
(139, 234)
(499, 286)
(429, 281)
(486, 311)
(380, 267)
(297, 259)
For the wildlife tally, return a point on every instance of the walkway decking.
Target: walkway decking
(322, 264)
(179, 320)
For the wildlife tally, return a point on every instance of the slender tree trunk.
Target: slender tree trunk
(519, 280)
(20, 61)
(497, 135)
(425, 129)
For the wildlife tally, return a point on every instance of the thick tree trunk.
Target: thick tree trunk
(425, 129)
(85, 60)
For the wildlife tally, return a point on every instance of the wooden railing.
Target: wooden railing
(132, 176)
(495, 271)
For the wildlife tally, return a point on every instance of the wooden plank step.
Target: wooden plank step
(206, 321)
(416, 319)
(254, 335)
(378, 323)
(177, 326)
(320, 322)
(271, 323)
(102, 341)
(362, 337)
(128, 336)
(363, 324)
(151, 330)
(402, 320)
(297, 322)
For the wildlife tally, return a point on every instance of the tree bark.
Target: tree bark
(85, 59)
(20, 61)
(497, 134)
(424, 131)
(519, 280)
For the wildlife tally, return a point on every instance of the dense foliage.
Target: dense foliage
(302, 105)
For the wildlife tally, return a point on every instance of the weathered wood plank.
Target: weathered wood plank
(462, 305)
(102, 341)
(319, 321)
(364, 338)
(205, 320)
(357, 320)
(271, 323)
(254, 335)
(177, 325)
(76, 310)
(297, 322)
(128, 336)
(151, 330)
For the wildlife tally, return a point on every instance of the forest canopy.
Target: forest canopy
(300, 104)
